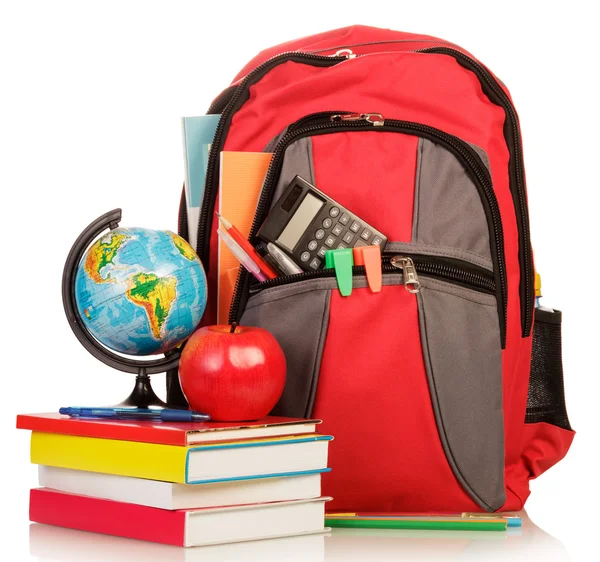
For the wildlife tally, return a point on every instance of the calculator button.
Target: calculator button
(319, 234)
(355, 226)
(327, 223)
(340, 246)
(315, 263)
(330, 241)
(359, 243)
(366, 234)
(312, 245)
(345, 218)
(321, 252)
(337, 230)
(305, 256)
(377, 241)
(334, 212)
(348, 237)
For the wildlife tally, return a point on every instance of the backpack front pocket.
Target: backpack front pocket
(408, 381)
(440, 169)
(413, 377)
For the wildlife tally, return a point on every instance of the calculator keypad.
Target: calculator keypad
(334, 229)
(315, 263)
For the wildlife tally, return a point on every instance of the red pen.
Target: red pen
(247, 247)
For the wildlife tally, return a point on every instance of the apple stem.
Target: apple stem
(234, 325)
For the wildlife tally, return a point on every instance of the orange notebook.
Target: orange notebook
(242, 176)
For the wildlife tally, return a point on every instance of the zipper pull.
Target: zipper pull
(411, 279)
(375, 118)
(345, 53)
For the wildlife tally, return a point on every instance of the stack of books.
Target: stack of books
(185, 484)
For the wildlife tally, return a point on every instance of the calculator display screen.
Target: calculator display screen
(303, 216)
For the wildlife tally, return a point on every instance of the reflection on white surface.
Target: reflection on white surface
(340, 545)
(66, 545)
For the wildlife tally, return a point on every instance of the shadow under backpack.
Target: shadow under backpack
(447, 400)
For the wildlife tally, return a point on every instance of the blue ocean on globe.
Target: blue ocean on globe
(140, 291)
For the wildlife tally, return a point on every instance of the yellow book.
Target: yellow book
(211, 462)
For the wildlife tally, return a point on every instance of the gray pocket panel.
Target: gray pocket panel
(298, 316)
(298, 161)
(448, 212)
(461, 347)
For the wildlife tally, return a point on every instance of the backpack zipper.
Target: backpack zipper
(334, 122)
(229, 101)
(237, 99)
(411, 266)
(497, 95)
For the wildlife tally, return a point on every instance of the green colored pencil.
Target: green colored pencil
(466, 525)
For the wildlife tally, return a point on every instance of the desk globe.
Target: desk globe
(136, 292)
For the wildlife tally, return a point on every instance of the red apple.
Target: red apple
(233, 373)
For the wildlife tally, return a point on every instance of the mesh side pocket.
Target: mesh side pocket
(546, 396)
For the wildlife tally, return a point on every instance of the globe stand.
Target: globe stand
(142, 395)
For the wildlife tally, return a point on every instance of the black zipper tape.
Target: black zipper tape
(182, 223)
(221, 101)
(468, 157)
(497, 95)
(455, 271)
(239, 96)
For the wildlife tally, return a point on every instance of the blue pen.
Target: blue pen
(135, 414)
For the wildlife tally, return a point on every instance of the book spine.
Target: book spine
(144, 433)
(107, 517)
(109, 456)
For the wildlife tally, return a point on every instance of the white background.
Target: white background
(90, 99)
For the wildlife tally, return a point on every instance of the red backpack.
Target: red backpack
(431, 390)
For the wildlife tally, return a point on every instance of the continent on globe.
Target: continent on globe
(155, 295)
(140, 291)
(101, 254)
(184, 248)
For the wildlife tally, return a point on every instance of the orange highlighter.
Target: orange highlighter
(370, 257)
(238, 237)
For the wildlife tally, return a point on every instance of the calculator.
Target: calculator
(305, 223)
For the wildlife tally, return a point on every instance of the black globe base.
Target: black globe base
(142, 395)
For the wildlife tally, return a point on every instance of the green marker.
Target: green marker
(392, 523)
(342, 261)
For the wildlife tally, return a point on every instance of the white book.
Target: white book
(167, 495)
(254, 522)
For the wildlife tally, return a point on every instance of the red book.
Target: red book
(166, 433)
(190, 527)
